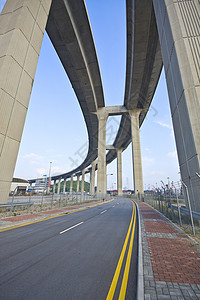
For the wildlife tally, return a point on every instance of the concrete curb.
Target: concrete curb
(140, 276)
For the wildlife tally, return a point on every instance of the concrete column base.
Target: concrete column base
(54, 186)
(83, 182)
(71, 185)
(64, 186)
(101, 174)
(119, 171)
(92, 178)
(77, 183)
(58, 190)
(136, 152)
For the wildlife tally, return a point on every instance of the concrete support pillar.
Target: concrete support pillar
(71, 184)
(90, 180)
(83, 181)
(22, 26)
(179, 34)
(77, 183)
(136, 152)
(49, 185)
(92, 177)
(64, 185)
(58, 190)
(101, 174)
(54, 186)
(119, 171)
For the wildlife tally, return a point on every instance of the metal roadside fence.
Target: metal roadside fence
(39, 202)
(173, 206)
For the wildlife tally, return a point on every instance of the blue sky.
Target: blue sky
(55, 129)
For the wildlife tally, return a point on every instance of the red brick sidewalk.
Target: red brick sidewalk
(20, 218)
(173, 256)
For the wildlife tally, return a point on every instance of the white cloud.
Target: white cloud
(33, 158)
(148, 161)
(153, 173)
(41, 172)
(148, 150)
(32, 155)
(172, 154)
(59, 156)
(55, 170)
(166, 125)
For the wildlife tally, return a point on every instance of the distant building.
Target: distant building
(40, 185)
(22, 185)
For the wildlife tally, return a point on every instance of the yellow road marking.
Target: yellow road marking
(119, 265)
(128, 262)
(52, 217)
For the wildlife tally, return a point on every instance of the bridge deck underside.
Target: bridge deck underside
(69, 30)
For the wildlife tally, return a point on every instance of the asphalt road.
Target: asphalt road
(74, 256)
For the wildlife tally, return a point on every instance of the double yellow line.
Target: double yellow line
(113, 286)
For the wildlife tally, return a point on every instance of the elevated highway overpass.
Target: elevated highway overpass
(78, 53)
(158, 32)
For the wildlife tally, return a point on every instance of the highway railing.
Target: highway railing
(41, 202)
(12, 206)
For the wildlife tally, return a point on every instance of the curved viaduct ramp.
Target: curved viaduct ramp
(22, 28)
(179, 36)
(143, 67)
(69, 30)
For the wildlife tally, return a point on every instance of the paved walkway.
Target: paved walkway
(171, 261)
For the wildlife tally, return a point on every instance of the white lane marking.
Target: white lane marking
(113, 206)
(103, 211)
(71, 227)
